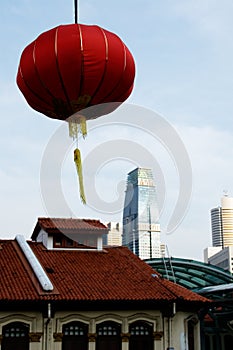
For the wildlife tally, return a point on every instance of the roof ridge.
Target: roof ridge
(66, 218)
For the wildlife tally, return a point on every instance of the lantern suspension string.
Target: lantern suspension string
(75, 11)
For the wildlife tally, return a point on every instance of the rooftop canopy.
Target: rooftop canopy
(191, 274)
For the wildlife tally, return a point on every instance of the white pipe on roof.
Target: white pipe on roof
(35, 264)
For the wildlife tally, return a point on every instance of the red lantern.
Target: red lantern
(71, 67)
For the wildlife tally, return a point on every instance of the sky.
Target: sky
(183, 51)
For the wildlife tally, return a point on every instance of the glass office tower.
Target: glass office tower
(141, 229)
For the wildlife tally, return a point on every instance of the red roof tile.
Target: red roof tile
(68, 224)
(110, 275)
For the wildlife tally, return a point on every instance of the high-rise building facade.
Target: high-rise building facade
(114, 236)
(216, 226)
(221, 254)
(223, 259)
(222, 223)
(141, 228)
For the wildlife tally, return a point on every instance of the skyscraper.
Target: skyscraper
(141, 228)
(216, 226)
(222, 223)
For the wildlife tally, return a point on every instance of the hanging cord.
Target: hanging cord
(75, 11)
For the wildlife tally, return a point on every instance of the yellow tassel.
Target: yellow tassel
(73, 129)
(77, 124)
(83, 126)
(78, 162)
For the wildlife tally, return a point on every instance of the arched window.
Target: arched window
(75, 336)
(15, 336)
(141, 336)
(191, 344)
(108, 336)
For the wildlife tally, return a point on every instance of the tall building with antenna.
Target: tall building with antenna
(141, 228)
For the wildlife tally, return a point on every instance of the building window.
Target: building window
(108, 336)
(191, 335)
(57, 241)
(141, 336)
(75, 336)
(69, 242)
(15, 336)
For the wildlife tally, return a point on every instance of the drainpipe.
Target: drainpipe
(46, 347)
(169, 325)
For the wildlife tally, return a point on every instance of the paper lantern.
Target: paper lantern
(72, 67)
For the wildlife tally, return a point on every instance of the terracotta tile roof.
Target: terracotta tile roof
(15, 282)
(68, 224)
(115, 274)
